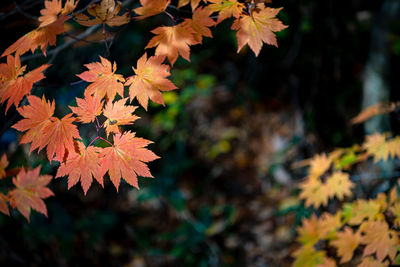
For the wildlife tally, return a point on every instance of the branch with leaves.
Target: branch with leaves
(104, 106)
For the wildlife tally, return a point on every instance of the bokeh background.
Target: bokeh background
(224, 192)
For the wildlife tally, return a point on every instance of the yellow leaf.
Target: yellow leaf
(314, 192)
(346, 243)
(377, 147)
(339, 185)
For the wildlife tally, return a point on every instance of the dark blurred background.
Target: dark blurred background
(224, 192)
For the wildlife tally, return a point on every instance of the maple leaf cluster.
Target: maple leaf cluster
(361, 233)
(125, 155)
(364, 232)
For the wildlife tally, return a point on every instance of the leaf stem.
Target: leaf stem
(171, 17)
(105, 140)
(94, 140)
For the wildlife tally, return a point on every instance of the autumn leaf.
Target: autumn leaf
(150, 8)
(104, 13)
(365, 209)
(378, 239)
(309, 231)
(3, 204)
(395, 209)
(226, 8)
(314, 192)
(308, 256)
(319, 164)
(346, 243)
(171, 41)
(258, 28)
(200, 23)
(118, 114)
(371, 111)
(53, 10)
(327, 262)
(88, 108)
(339, 185)
(59, 136)
(393, 146)
(30, 191)
(193, 3)
(329, 223)
(82, 166)
(3, 166)
(371, 262)
(36, 117)
(377, 147)
(40, 37)
(14, 84)
(150, 80)
(103, 78)
(126, 159)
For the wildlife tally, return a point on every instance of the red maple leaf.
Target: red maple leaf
(88, 108)
(117, 114)
(82, 166)
(258, 28)
(126, 159)
(30, 191)
(40, 37)
(149, 80)
(36, 117)
(59, 136)
(103, 78)
(14, 85)
(171, 41)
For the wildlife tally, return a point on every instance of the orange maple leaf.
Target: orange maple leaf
(36, 117)
(339, 185)
(200, 23)
(150, 8)
(346, 243)
(226, 8)
(193, 3)
(171, 41)
(3, 204)
(104, 13)
(3, 166)
(371, 111)
(149, 80)
(258, 28)
(88, 108)
(117, 114)
(14, 85)
(40, 37)
(82, 166)
(30, 191)
(53, 10)
(103, 78)
(59, 136)
(126, 159)
(379, 239)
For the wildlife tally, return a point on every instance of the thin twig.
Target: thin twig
(65, 45)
